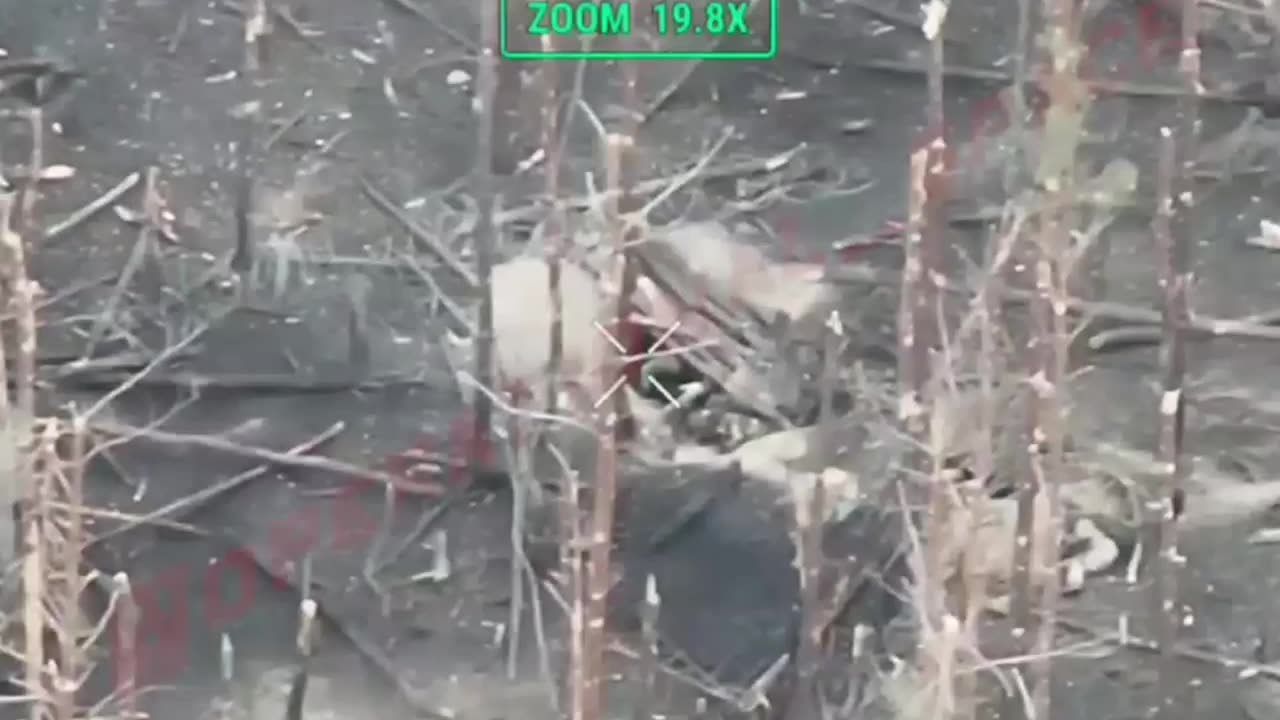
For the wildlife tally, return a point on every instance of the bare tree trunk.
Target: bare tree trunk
(1036, 563)
(928, 308)
(604, 487)
(506, 132)
(553, 228)
(484, 187)
(919, 337)
(126, 648)
(1171, 228)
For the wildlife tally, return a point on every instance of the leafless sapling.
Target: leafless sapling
(484, 187)
(1171, 228)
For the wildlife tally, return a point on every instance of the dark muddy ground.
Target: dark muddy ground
(155, 92)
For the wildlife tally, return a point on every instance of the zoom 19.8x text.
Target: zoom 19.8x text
(586, 18)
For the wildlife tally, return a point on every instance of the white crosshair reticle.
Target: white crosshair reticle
(623, 378)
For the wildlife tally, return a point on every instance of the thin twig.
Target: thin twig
(369, 567)
(702, 171)
(420, 236)
(1120, 88)
(184, 506)
(106, 514)
(161, 358)
(284, 126)
(439, 295)
(1240, 667)
(143, 248)
(425, 521)
(286, 459)
(1250, 327)
(564, 420)
(179, 31)
(685, 677)
(680, 181)
(75, 219)
(427, 14)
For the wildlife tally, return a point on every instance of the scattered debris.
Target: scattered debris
(1268, 237)
(856, 126)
